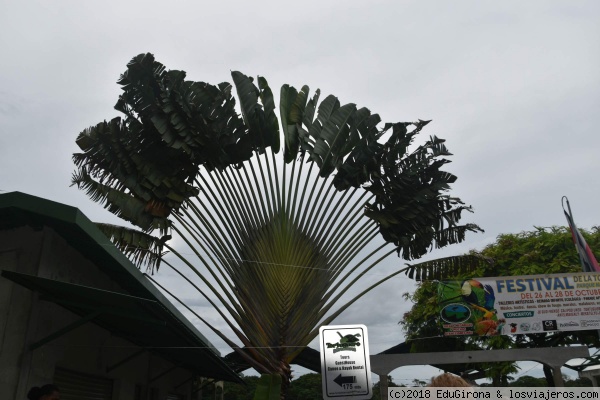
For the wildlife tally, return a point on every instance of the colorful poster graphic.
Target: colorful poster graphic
(520, 304)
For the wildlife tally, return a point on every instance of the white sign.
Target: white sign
(345, 362)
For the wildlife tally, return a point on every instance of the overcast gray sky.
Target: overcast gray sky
(513, 86)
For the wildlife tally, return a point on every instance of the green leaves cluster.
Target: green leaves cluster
(540, 251)
(142, 167)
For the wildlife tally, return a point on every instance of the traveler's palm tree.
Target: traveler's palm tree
(278, 238)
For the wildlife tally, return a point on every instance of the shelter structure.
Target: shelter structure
(76, 312)
(555, 357)
(593, 374)
(589, 368)
(459, 362)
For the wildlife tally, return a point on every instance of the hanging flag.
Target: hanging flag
(586, 257)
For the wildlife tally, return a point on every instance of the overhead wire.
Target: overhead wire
(269, 263)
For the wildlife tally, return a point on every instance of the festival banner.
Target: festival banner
(520, 304)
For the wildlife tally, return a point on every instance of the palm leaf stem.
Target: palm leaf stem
(255, 327)
(344, 228)
(227, 319)
(221, 206)
(341, 266)
(241, 201)
(331, 235)
(268, 188)
(204, 231)
(284, 186)
(321, 211)
(257, 188)
(268, 197)
(292, 243)
(328, 216)
(338, 285)
(351, 249)
(310, 203)
(248, 303)
(258, 331)
(298, 218)
(289, 187)
(295, 248)
(215, 262)
(230, 198)
(234, 203)
(255, 364)
(345, 306)
(253, 211)
(206, 282)
(198, 235)
(209, 229)
(350, 257)
(292, 212)
(280, 195)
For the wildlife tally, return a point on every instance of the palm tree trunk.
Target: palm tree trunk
(286, 379)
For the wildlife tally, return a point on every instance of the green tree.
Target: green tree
(543, 250)
(277, 238)
(529, 381)
(308, 386)
(234, 391)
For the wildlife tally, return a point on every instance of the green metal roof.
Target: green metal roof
(145, 317)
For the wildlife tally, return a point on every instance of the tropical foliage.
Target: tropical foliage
(234, 391)
(305, 387)
(530, 381)
(541, 251)
(308, 386)
(277, 238)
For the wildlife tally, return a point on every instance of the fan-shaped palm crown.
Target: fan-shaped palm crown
(278, 240)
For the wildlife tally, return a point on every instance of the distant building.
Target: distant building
(74, 311)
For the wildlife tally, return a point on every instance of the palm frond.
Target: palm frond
(291, 110)
(410, 205)
(448, 267)
(140, 247)
(120, 203)
(263, 128)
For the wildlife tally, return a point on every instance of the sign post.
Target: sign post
(345, 362)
